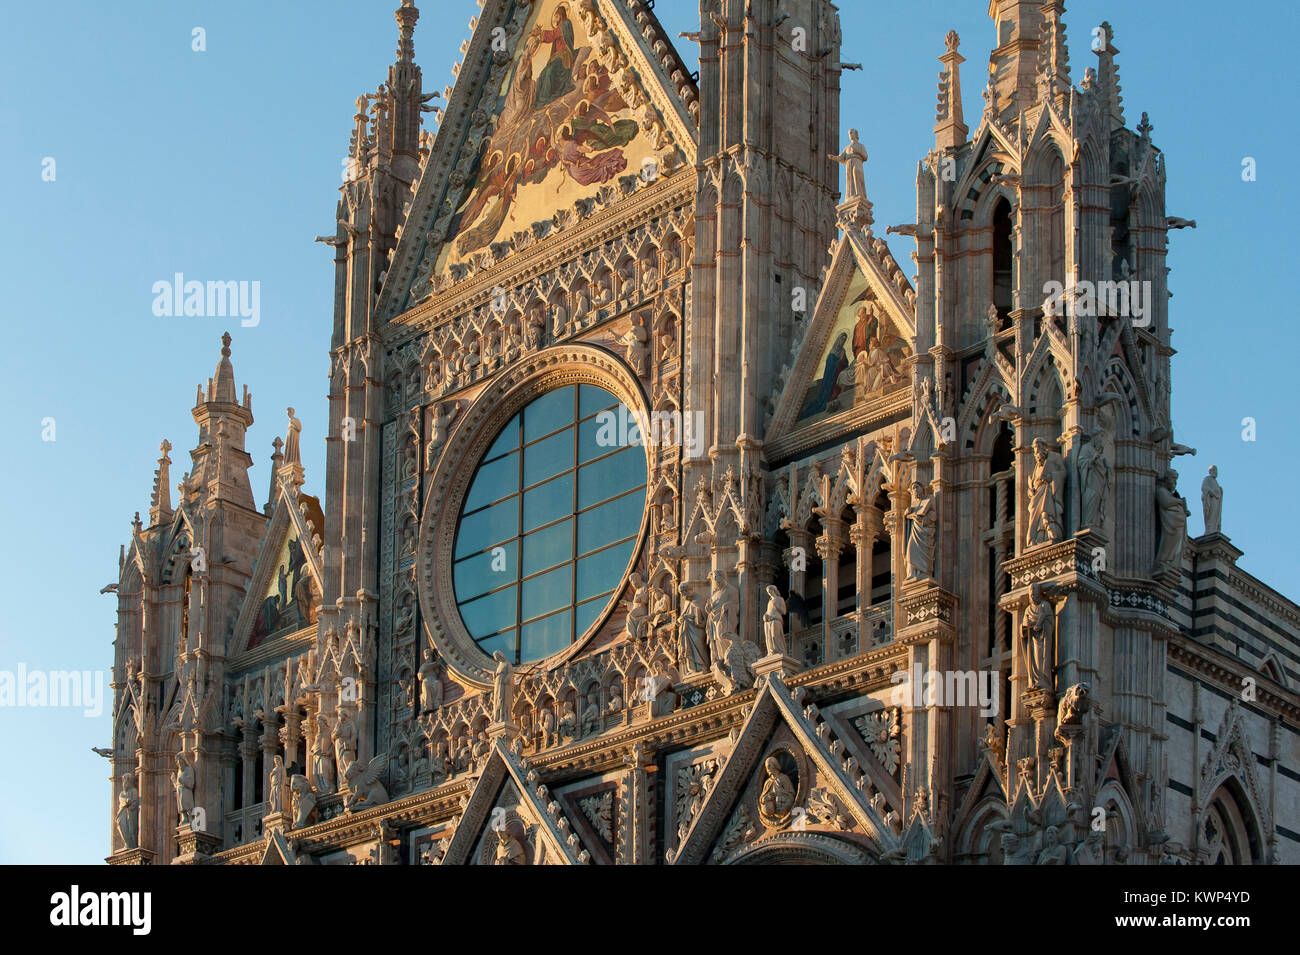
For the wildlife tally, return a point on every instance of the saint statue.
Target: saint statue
(1038, 634)
(1094, 482)
(322, 762)
(1047, 495)
(1053, 853)
(723, 608)
(291, 453)
(430, 684)
(774, 623)
(920, 545)
(853, 157)
(638, 614)
(275, 786)
(128, 813)
(344, 736)
(501, 688)
(184, 784)
(692, 648)
(1212, 502)
(1173, 523)
(776, 799)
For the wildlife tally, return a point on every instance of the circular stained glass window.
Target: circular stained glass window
(549, 525)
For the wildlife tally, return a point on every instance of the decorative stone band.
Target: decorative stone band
(530, 378)
(1076, 557)
(926, 615)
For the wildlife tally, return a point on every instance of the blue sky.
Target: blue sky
(223, 164)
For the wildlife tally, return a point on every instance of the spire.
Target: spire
(1108, 74)
(1013, 65)
(1053, 54)
(160, 506)
(277, 459)
(222, 385)
(220, 461)
(407, 15)
(949, 129)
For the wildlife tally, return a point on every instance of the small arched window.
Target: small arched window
(1003, 258)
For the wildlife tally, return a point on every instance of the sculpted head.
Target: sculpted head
(1214, 471)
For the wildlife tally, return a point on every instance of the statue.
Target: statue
(501, 689)
(1094, 481)
(1053, 853)
(1173, 524)
(322, 763)
(1091, 850)
(303, 800)
(920, 545)
(591, 713)
(1073, 705)
(509, 851)
(291, 443)
(638, 614)
(439, 427)
(1038, 632)
(723, 609)
(184, 784)
(568, 724)
(364, 787)
(430, 684)
(128, 812)
(275, 786)
(637, 342)
(1212, 502)
(776, 799)
(693, 649)
(1047, 495)
(344, 736)
(853, 157)
(774, 623)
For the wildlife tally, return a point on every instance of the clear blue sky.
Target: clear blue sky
(224, 164)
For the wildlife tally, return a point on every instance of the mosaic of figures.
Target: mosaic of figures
(562, 119)
(563, 123)
(865, 356)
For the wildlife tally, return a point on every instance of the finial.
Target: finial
(1145, 127)
(952, 41)
(406, 15)
(225, 345)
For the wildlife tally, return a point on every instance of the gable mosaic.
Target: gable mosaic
(565, 123)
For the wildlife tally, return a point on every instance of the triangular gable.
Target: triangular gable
(503, 773)
(583, 101)
(284, 592)
(860, 326)
(843, 777)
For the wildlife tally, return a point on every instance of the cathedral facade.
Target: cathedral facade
(667, 521)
